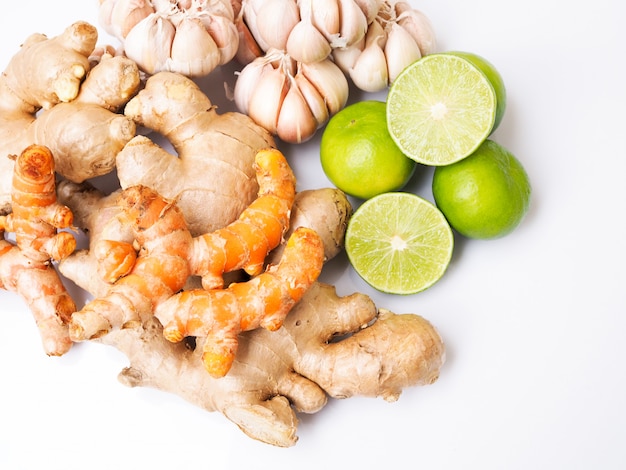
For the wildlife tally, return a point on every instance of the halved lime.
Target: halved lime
(440, 109)
(399, 243)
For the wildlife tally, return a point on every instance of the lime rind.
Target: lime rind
(440, 109)
(399, 243)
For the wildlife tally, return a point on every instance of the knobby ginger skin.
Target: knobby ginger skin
(220, 315)
(169, 255)
(275, 374)
(52, 95)
(206, 144)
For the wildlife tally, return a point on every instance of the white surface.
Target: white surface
(534, 323)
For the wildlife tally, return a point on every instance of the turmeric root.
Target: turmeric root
(326, 210)
(51, 95)
(246, 242)
(26, 267)
(275, 375)
(264, 301)
(170, 255)
(206, 143)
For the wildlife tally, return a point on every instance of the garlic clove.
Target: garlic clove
(224, 8)
(418, 25)
(118, 17)
(370, 69)
(401, 50)
(105, 10)
(345, 57)
(353, 24)
(149, 43)
(275, 19)
(247, 81)
(296, 122)
(306, 43)
(224, 33)
(247, 49)
(314, 100)
(370, 8)
(249, 17)
(266, 100)
(324, 15)
(197, 60)
(329, 81)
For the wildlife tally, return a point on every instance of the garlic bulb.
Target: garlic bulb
(288, 98)
(398, 36)
(191, 37)
(307, 30)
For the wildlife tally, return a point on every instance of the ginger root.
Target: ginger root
(275, 374)
(169, 255)
(326, 209)
(26, 267)
(206, 143)
(294, 369)
(52, 96)
(220, 315)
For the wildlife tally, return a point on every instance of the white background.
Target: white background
(534, 322)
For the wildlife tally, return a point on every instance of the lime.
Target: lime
(440, 109)
(495, 79)
(399, 243)
(485, 195)
(359, 156)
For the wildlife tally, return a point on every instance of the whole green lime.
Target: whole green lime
(359, 156)
(485, 195)
(494, 77)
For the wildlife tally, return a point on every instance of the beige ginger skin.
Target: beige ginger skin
(66, 104)
(276, 374)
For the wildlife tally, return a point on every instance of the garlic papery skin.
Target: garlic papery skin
(267, 98)
(249, 18)
(370, 8)
(118, 17)
(275, 19)
(315, 101)
(346, 57)
(207, 25)
(196, 61)
(247, 81)
(369, 72)
(224, 34)
(401, 50)
(418, 26)
(290, 99)
(296, 122)
(353, 24)
(247, 49)
(307, 44)
(149, 43)
(324, 15)
(398, 36)
(329, 81)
